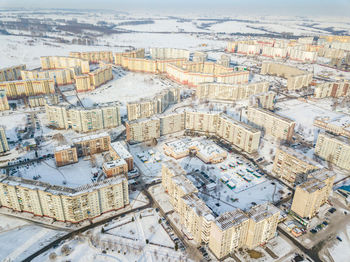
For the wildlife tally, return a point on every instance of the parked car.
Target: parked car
(339, 239)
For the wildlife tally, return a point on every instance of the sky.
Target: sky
(264, 7)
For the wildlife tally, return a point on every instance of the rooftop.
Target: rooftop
(231, 219)
(121, 150)
(261, 212)
(185, 184)
(198, 206)
(114, 163)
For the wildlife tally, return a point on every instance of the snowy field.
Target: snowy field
(304, 114)
(124, 239)
(19, 238)
(73, 175)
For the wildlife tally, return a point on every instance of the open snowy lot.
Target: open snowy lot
(134, 237)
(19, 238)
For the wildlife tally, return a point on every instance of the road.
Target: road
(85, 228)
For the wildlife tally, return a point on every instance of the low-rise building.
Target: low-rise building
(118, 151)
(115, 167)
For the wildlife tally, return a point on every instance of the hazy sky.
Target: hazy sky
(283, 7)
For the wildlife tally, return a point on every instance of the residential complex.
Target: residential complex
(310, 195)
(60, 62)
(225, 233)
(296, 78)
(237, 133)
(3, 140)
(272, 124)
(149, 107)
(332, 89)
(83, 120)
(41, 100)
(94, 79)
(118, 151)
(169, 53)
(22, 88)
(291, 166)
(11, 73)
(63, 203)
(61, 76)
(334, 149)
(195, 73)
(94, 57)
(229, 92)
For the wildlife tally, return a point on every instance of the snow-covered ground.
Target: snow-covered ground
(19, 238)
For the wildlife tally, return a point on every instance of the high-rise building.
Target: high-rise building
(334, 149)
(3, 140)
(291, 166)
(11, 73)
(63, 203)
(25, 88)
(4, 104)
(310, 195)
(275, 125)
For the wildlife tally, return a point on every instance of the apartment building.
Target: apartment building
(84, 120)
(61, 62)
(335, 150)
(139, 53)
(142, 130)
(61, 76)
(332, 89)
(238, 133)
(171, 123)
(264, 100)
(196, 217)
(272, 124)
(194, 73)
(92, 144)
(11, 73)
(302, 55)
(94, 79)
(296, 78)
(4, 104)
(169, 53)
(201, 122)
(337, 126)
(63, 203)
(66, 155)
(274, 52)
(224, 60)
(94, 57)
(23, 88)
(291, 166)
(170, 168)
(310, 195)
(115, 167)
(199, 57)
(263, 220)
(3, 140)
(118, 151)
(36, 101)
(228, 233)
(230, 92)
(146, 108)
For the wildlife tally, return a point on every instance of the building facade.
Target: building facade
(63, 203)
(4, 104)
(25, 88)
(11, 73)
(273, 124)
(335, 150)
(3, 140)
